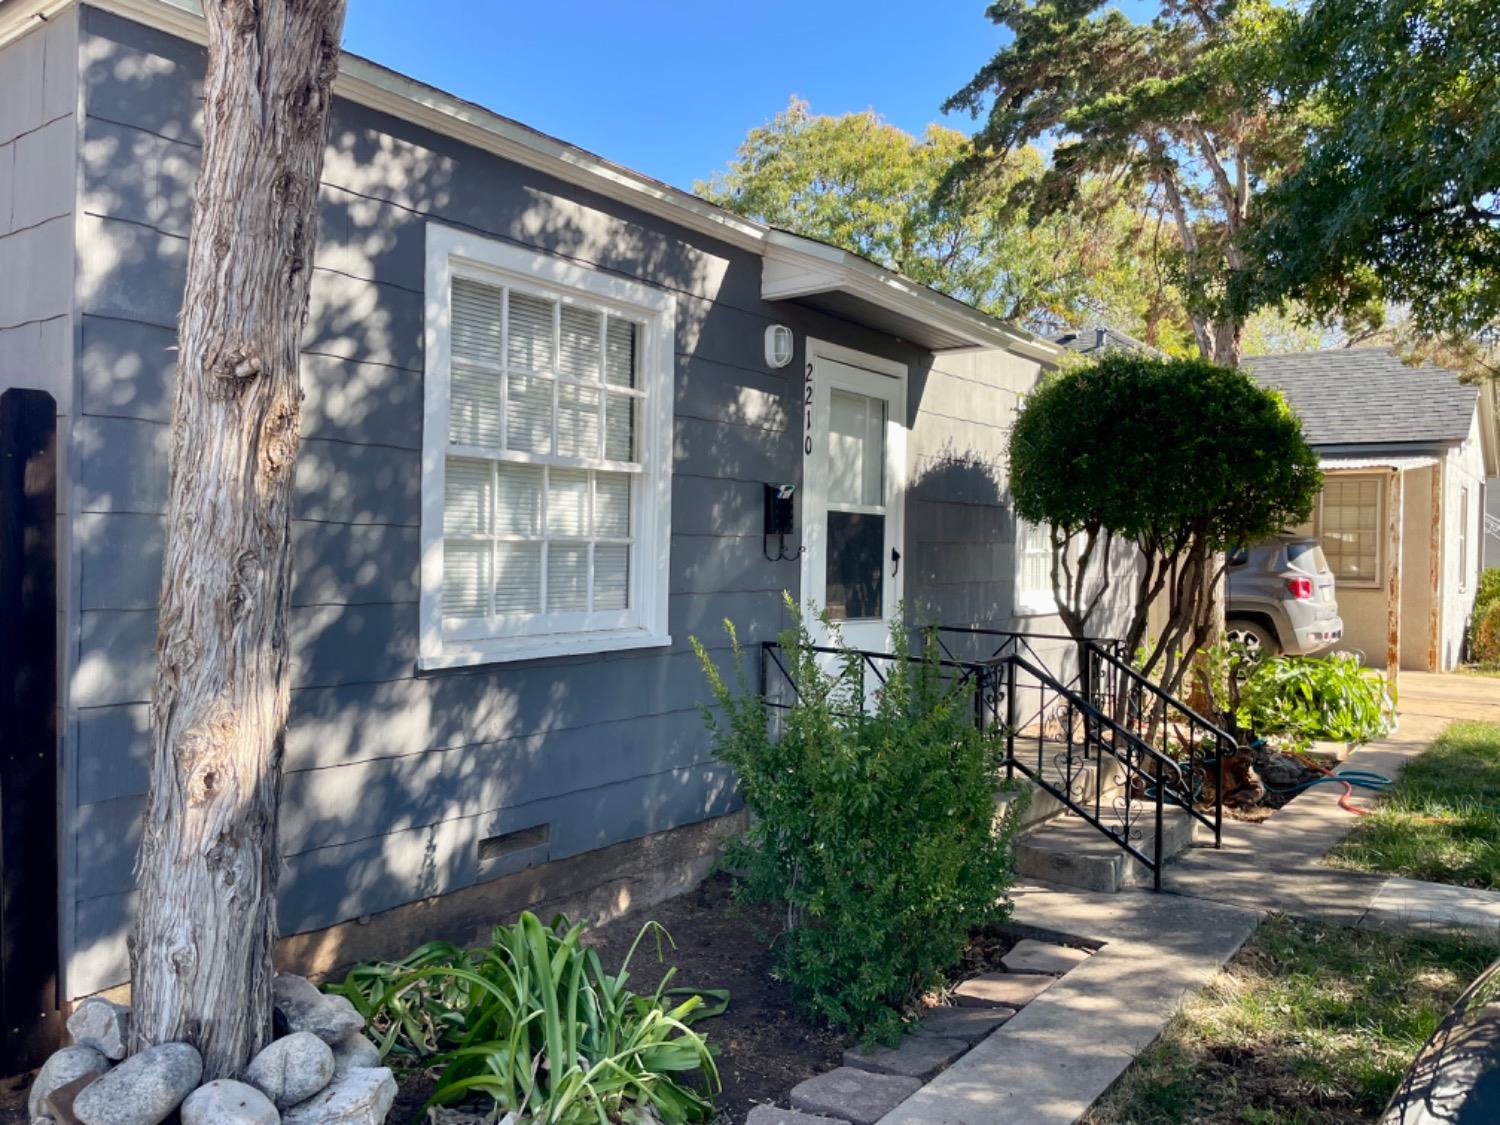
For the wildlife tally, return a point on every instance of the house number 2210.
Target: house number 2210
(807, 406)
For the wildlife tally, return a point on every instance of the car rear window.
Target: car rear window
(1306, 557)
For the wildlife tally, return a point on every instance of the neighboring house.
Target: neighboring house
(1406, 452)
(1094, 342)
(538, 426)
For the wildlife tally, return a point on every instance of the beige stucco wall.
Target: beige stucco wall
(1364, 609)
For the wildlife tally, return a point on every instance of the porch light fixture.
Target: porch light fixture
(778, 346)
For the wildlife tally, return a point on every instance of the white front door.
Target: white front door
(854, 491)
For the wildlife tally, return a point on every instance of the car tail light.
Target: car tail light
(1300, 588)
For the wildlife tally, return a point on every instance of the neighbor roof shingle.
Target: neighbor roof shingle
(1358, 395)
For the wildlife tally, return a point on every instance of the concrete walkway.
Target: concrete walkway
(1279, 865)
(1053, 1060)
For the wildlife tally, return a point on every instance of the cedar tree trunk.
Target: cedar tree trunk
(207, 871)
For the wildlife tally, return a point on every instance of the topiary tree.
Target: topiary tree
(1178, 460)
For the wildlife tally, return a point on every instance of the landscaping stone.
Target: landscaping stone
(355, 1050)
(102, 1025)
(968, 1024)
(1008, 990)
(58, 1105)
(1030, 956)
(856, 1096)
(363, 1096)
(61, 1068)
(774, 1115)
(144, 1089)
(301, 1007)
(916, 1056)
(226, 1102)
(292, 1069)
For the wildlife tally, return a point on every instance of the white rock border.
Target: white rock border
(321, 1055)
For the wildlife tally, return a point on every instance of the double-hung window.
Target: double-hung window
(546, 456)
(1033, 569)
(1349, 528)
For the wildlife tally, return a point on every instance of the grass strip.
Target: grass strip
(1441, 820)
(1309, 1024)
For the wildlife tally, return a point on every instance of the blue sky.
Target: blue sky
(670, 88)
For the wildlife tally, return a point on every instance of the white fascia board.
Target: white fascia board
(797, 267)
(825, 267)
(17, 17)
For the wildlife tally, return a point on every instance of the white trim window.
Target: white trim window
(1463, 536)
(546, 456)
(1349, 527)
(1034, 568)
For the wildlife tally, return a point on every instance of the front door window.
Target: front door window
(855, 566)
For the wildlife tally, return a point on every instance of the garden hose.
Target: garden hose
(1349, 779)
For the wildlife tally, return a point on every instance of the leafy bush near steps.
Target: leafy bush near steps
(534, 1024)
(1316, 697)
(875, 825)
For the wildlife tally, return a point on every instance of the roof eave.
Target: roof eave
(377, 87)
(800, 267)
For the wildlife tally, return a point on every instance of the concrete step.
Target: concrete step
(1044, 807)
(1074, 853)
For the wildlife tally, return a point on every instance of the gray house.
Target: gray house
(545, 396)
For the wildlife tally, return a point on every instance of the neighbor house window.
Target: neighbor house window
(1463, 537)
(1350, 528)
(1034, 568)
(546, 456)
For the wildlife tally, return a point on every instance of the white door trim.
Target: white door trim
(815, 397)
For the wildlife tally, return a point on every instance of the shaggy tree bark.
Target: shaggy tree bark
(201, 954)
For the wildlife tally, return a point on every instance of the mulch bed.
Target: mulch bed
(13, 1099)
(766, 1045)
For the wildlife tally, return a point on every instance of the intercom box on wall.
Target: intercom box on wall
(779, 508)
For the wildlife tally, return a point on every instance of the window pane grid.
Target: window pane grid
(1350, 531)
(494, 571)
(539, 516)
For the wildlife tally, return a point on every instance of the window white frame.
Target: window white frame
(1033, 542)
(876, 377)
(1375, 580)
(1463, 536)
(455, 253)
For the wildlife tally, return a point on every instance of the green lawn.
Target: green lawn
(1441, 820)
(1308, 1025)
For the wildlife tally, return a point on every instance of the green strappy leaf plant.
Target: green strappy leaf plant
(533, 1024)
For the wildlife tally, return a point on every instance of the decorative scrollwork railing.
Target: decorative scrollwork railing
(1055, 733)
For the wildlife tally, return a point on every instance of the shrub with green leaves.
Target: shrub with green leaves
(1484, 627)
(1316, 697)
(875, 824)
(533, 1024)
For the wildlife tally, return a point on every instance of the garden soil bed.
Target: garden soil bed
(765, 1044)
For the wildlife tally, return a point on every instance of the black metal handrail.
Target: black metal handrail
(1185, 735)
(1081, 737)
(1088, 735)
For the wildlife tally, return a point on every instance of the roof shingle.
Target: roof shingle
(1367, 395)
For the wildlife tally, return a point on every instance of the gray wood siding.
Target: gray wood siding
(392, 778)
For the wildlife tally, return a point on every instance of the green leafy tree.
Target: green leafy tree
(862, 184)
(1393, 196)
(1177, 107)
(1180, 460)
